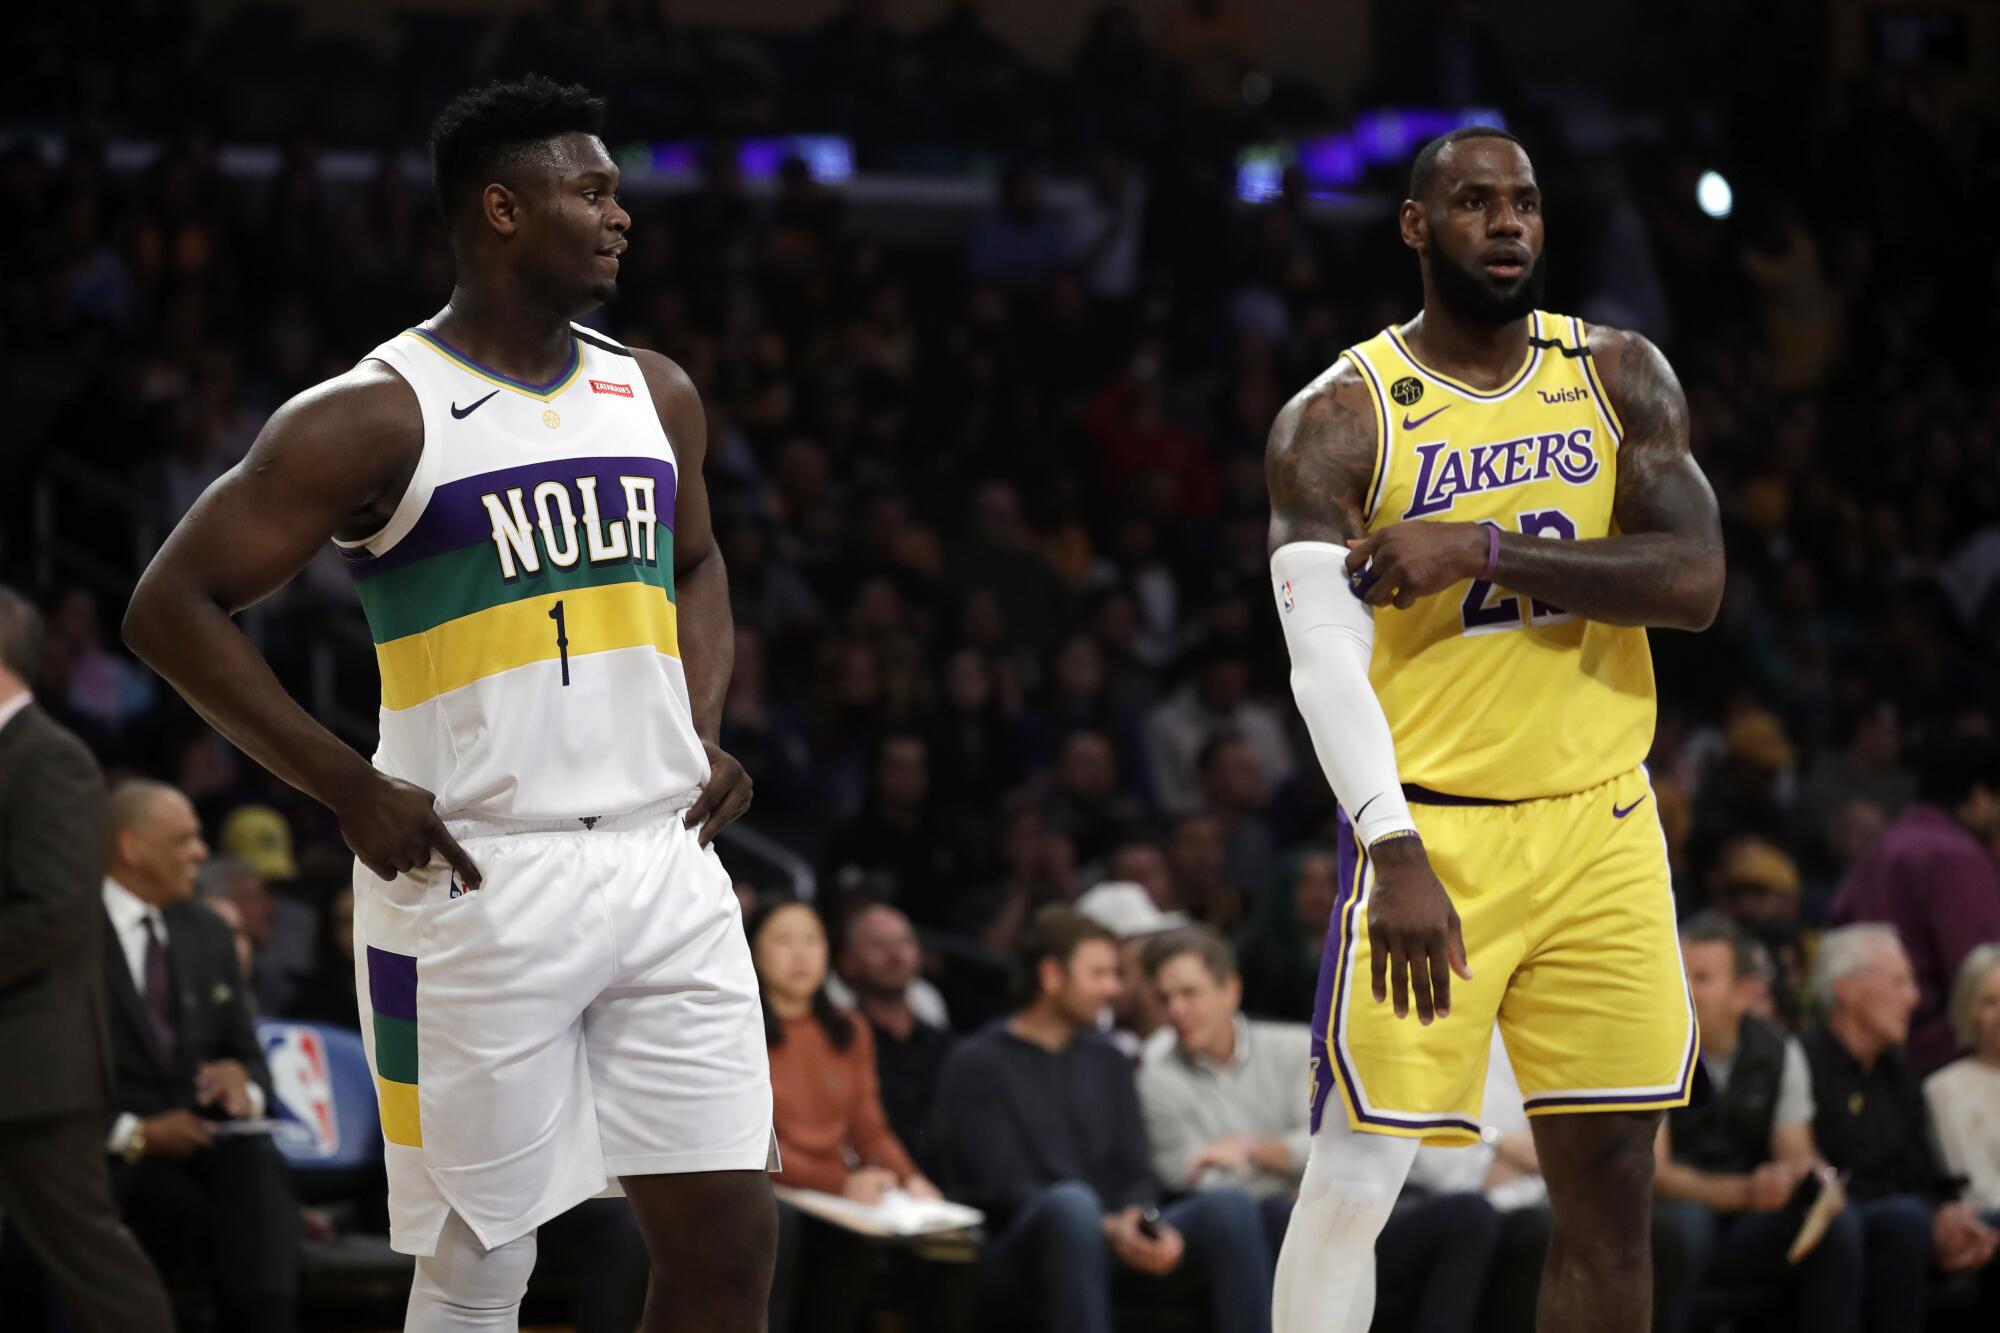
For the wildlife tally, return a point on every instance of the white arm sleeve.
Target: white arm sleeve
(1331, 634)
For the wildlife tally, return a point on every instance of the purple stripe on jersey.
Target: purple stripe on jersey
(392, 983)
(1684, 1091)
(1331, 1001)
(456, 518)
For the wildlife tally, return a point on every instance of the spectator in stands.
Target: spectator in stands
(878, 961)
(1086, 797)
(1281, 946)
(225, 885)
(1236, 792)
(216, 1213)
(1039, 1125)
(1139, 859)
(1197, 858)
(1128, 912)
(1964, 1096)
(898, 847)
(1756, 886)
(1866, 767)
(263, 880)
(1221, 1099)
(1730, 1172)
(827, 1112)
(1223, 1111)
(1747, 797)
(1931, 876)
(1214, 700)
(54, 1186)
(1869, 1122)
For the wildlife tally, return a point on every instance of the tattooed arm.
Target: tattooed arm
(1318, 464)
(1320, 459)
(1664, 566)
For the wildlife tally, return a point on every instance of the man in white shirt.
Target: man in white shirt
(212, 1205)
(1224, 1107)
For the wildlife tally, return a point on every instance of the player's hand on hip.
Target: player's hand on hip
(1414, 940)
(393, 827)
(724, 797)
(1399, 564)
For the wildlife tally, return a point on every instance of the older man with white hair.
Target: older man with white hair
(1870, 1123)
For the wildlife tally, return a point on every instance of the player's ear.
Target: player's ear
(1415, 228)
(501, 208)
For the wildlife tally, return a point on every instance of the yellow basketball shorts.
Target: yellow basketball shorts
(1567, 910)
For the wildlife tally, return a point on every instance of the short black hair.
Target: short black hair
(1713, 927)
(21, 636)
(1423, 170)
(480, 134)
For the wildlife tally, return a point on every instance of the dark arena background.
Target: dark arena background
(991, 305)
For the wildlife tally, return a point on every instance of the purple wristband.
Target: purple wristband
(1492, 553)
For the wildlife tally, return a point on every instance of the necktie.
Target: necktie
(159, 990)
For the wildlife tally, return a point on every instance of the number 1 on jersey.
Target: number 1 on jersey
(562, 639)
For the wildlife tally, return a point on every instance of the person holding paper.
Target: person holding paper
(833, 1135)
(215, 1209)
(1729, 1172)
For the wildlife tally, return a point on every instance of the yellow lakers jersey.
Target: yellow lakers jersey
(1490, 693)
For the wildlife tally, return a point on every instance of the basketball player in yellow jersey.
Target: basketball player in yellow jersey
(1475, 515)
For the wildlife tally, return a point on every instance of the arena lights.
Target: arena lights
(1334, 163)
(1713, 196)
(829, 157)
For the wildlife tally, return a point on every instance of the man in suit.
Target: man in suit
(54, 1190)
(213, 1206)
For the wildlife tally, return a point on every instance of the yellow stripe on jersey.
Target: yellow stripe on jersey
(401, 1122)
(451, 656)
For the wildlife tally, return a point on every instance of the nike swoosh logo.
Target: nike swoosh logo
(463, 412)
(1412, 425)
(1616, 813)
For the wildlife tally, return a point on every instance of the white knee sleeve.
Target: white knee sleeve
(1326, 1272)
(463, 1287)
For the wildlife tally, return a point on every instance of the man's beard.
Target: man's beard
(1466, 293)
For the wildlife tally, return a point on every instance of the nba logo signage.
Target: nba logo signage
(307, 1124)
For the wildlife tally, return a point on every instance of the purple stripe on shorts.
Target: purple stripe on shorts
(392, 983)
(1331, 999)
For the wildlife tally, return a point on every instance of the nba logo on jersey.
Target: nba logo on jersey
(307, 1126)
(1287, 593)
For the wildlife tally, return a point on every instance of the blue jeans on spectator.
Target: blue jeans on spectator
(1054, 1252)
(1433, 1257)
(1749, 1248)
(1896, 1235)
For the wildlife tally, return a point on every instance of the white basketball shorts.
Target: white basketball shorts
(589, 1012)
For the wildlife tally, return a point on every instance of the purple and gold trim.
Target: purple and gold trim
(1329, 1049)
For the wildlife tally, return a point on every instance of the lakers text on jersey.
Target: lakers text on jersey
(1488, 693)
(1521, 730)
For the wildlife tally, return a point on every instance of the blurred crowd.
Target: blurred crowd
(993, 504)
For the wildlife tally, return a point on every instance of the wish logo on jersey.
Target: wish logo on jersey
(1445, 473)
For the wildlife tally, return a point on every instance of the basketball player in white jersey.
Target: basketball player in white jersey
(558, 1001)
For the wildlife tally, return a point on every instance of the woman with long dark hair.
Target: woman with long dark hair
(827, 1110)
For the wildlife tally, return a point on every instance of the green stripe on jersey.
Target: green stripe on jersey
(445, 587)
